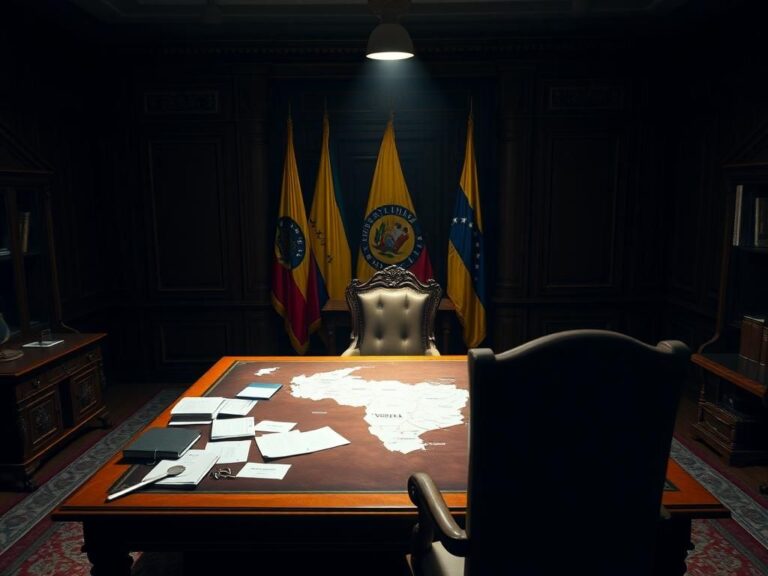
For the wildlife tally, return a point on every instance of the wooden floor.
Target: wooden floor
(124, 399)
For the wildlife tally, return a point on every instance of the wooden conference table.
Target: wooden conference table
(350, 499)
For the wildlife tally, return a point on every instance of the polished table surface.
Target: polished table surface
(347, 497)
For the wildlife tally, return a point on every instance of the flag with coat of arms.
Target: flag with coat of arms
(391, 231)
(294, 282)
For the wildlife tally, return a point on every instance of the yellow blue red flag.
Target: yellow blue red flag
(294, 288)
(328, 236)
(466, 263)
(391, 231)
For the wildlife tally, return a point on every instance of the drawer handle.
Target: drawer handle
(36, 383)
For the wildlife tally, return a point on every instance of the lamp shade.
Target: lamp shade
(389, 41)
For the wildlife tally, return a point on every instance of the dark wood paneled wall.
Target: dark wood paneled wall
(599, 177)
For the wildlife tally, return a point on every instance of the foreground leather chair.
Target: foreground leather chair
(569, 440)
(393, 313)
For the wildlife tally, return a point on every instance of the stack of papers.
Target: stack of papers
(197, 463)
(196, 410)
(236, 407)
(262, 390)
(232, 428)
(292, 443)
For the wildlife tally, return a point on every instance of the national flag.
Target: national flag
(466, 264)
(391, 232)
(294, 282)
(328, 237)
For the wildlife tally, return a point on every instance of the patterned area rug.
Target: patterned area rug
(34, 546)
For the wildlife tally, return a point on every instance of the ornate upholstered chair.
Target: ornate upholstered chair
(393, 313)
(569, 440)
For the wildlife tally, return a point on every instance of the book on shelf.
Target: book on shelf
(751, 337)
(764, 347)
(736, 241)
(761, 221)
(161, 444)
(24, 231)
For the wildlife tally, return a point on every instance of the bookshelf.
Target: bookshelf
(47, 394)
(733, 377)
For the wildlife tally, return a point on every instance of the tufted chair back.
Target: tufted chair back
(393, 313)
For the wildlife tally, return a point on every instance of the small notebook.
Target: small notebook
(260, 390)
(161, 444)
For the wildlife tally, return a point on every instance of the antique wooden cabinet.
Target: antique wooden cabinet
(46, 396)
(732, 415)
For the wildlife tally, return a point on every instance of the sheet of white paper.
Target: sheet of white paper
(273, 426)
(198, 405)
(232, 428)
(230, 452)
(187, 422)
(236, 407)
(267, 471)
(196, 464)
(292, 443)
(43, 344)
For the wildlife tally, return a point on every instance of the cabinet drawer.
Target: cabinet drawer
(55, 374)
(82, 395)
(40, 422)
(731, 428)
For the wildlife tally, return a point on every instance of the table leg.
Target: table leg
(674, 542)
(108, 556)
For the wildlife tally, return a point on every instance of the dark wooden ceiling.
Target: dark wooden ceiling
(265, 21)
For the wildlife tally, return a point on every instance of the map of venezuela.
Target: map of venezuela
(396, 413)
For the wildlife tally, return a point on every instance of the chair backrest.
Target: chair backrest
(393, 313)
(569, 441)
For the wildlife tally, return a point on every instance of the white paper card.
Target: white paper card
(273, 426)
(230, 452)
(232, 428)
(292, 443)
(236, 407)
(43, 344)
(266, 471)
(261, 390)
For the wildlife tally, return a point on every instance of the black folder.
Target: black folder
(161, 444)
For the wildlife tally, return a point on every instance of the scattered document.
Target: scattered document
(232, 428)
(294, 442)
(230, 452)
(42, 343)
(197, 463)
(236, 407)
(266, 471)
(196, 409)
(261, 390)
(273, 426)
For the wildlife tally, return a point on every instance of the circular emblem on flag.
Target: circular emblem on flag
(391, 235)
(290, 245)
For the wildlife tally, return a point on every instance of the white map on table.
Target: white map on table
(396, 413)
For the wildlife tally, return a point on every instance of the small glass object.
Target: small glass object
(8, 354)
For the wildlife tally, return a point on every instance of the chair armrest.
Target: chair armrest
(434, 517)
